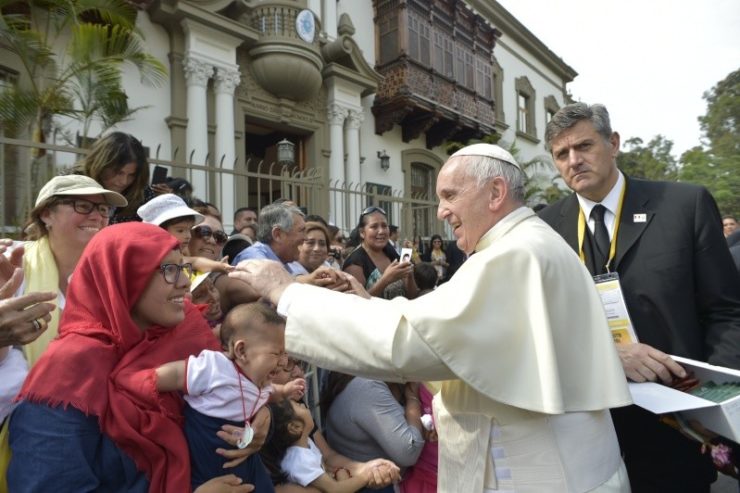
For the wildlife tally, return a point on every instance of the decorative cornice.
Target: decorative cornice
(336, 114)
(197, 71)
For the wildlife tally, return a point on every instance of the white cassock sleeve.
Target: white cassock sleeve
(350, 334)
(521, 322)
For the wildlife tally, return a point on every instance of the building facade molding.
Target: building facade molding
(355, 119)
(336, 114)
(197, 71)
(227, 80)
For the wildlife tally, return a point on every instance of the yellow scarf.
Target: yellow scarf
(41, 274)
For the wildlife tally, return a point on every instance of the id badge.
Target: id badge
(246, 437)
(612, 298)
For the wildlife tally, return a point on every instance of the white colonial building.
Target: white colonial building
(368, 92)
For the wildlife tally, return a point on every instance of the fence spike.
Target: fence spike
(190, 161)
(174, 154)
(221, 162)
(156, 154)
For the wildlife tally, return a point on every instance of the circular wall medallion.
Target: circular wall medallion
(305, 25)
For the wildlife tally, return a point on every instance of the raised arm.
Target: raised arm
(398, 353)
(171, 376)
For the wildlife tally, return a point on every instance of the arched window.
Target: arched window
(420, 168)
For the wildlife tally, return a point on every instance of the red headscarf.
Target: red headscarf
(103, 364)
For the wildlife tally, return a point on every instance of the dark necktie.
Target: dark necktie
(601, 237)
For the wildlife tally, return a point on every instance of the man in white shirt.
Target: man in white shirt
(513, 335)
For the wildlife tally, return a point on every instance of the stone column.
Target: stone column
(329, 18)
(227, 79)
(197, 73)
(354, 176)
(335, 116)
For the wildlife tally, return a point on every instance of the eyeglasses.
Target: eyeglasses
(171, 272)
(313, 243)
(85, 207)
(206, 232)
(371, 209)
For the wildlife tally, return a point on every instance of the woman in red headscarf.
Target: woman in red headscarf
(90, 417)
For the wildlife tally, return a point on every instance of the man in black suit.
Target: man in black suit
(680, 286)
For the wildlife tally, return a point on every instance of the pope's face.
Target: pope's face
(463, 204)
(586, 161)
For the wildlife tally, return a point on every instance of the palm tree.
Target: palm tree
(82, 81)
(70, 54)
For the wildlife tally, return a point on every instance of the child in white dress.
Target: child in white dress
(291, 455)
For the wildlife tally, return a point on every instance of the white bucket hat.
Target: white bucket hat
(164, 207)
(78, 185)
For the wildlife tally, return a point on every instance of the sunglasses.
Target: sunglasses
(206, 232)
(171, 272)
(371, 209)
(85, 207)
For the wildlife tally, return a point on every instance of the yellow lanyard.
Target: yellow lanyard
(613, 243)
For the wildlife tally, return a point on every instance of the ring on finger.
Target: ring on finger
(36, 324)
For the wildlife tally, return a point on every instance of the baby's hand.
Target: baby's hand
(295, 389)
(380, 473)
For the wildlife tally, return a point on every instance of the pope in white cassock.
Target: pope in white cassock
(518, 336)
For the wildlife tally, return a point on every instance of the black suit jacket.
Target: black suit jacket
(733, 241)
(680, 285)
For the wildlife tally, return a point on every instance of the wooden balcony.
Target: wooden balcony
(422, 101)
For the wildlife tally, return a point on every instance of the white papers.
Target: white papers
(659, 399)
(722, 418)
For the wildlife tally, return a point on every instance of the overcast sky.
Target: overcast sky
(648, 61)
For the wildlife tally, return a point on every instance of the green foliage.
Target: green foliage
(652, 161)
(452, 146)
(721, 123)
(719, 174)
(717, 165)
(82, 80)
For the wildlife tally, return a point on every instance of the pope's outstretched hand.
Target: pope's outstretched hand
(267, 277)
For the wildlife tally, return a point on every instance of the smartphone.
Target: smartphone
(159, 175)
(406, 254)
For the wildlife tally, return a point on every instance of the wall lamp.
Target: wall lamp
(385, 160)
(286, 152)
